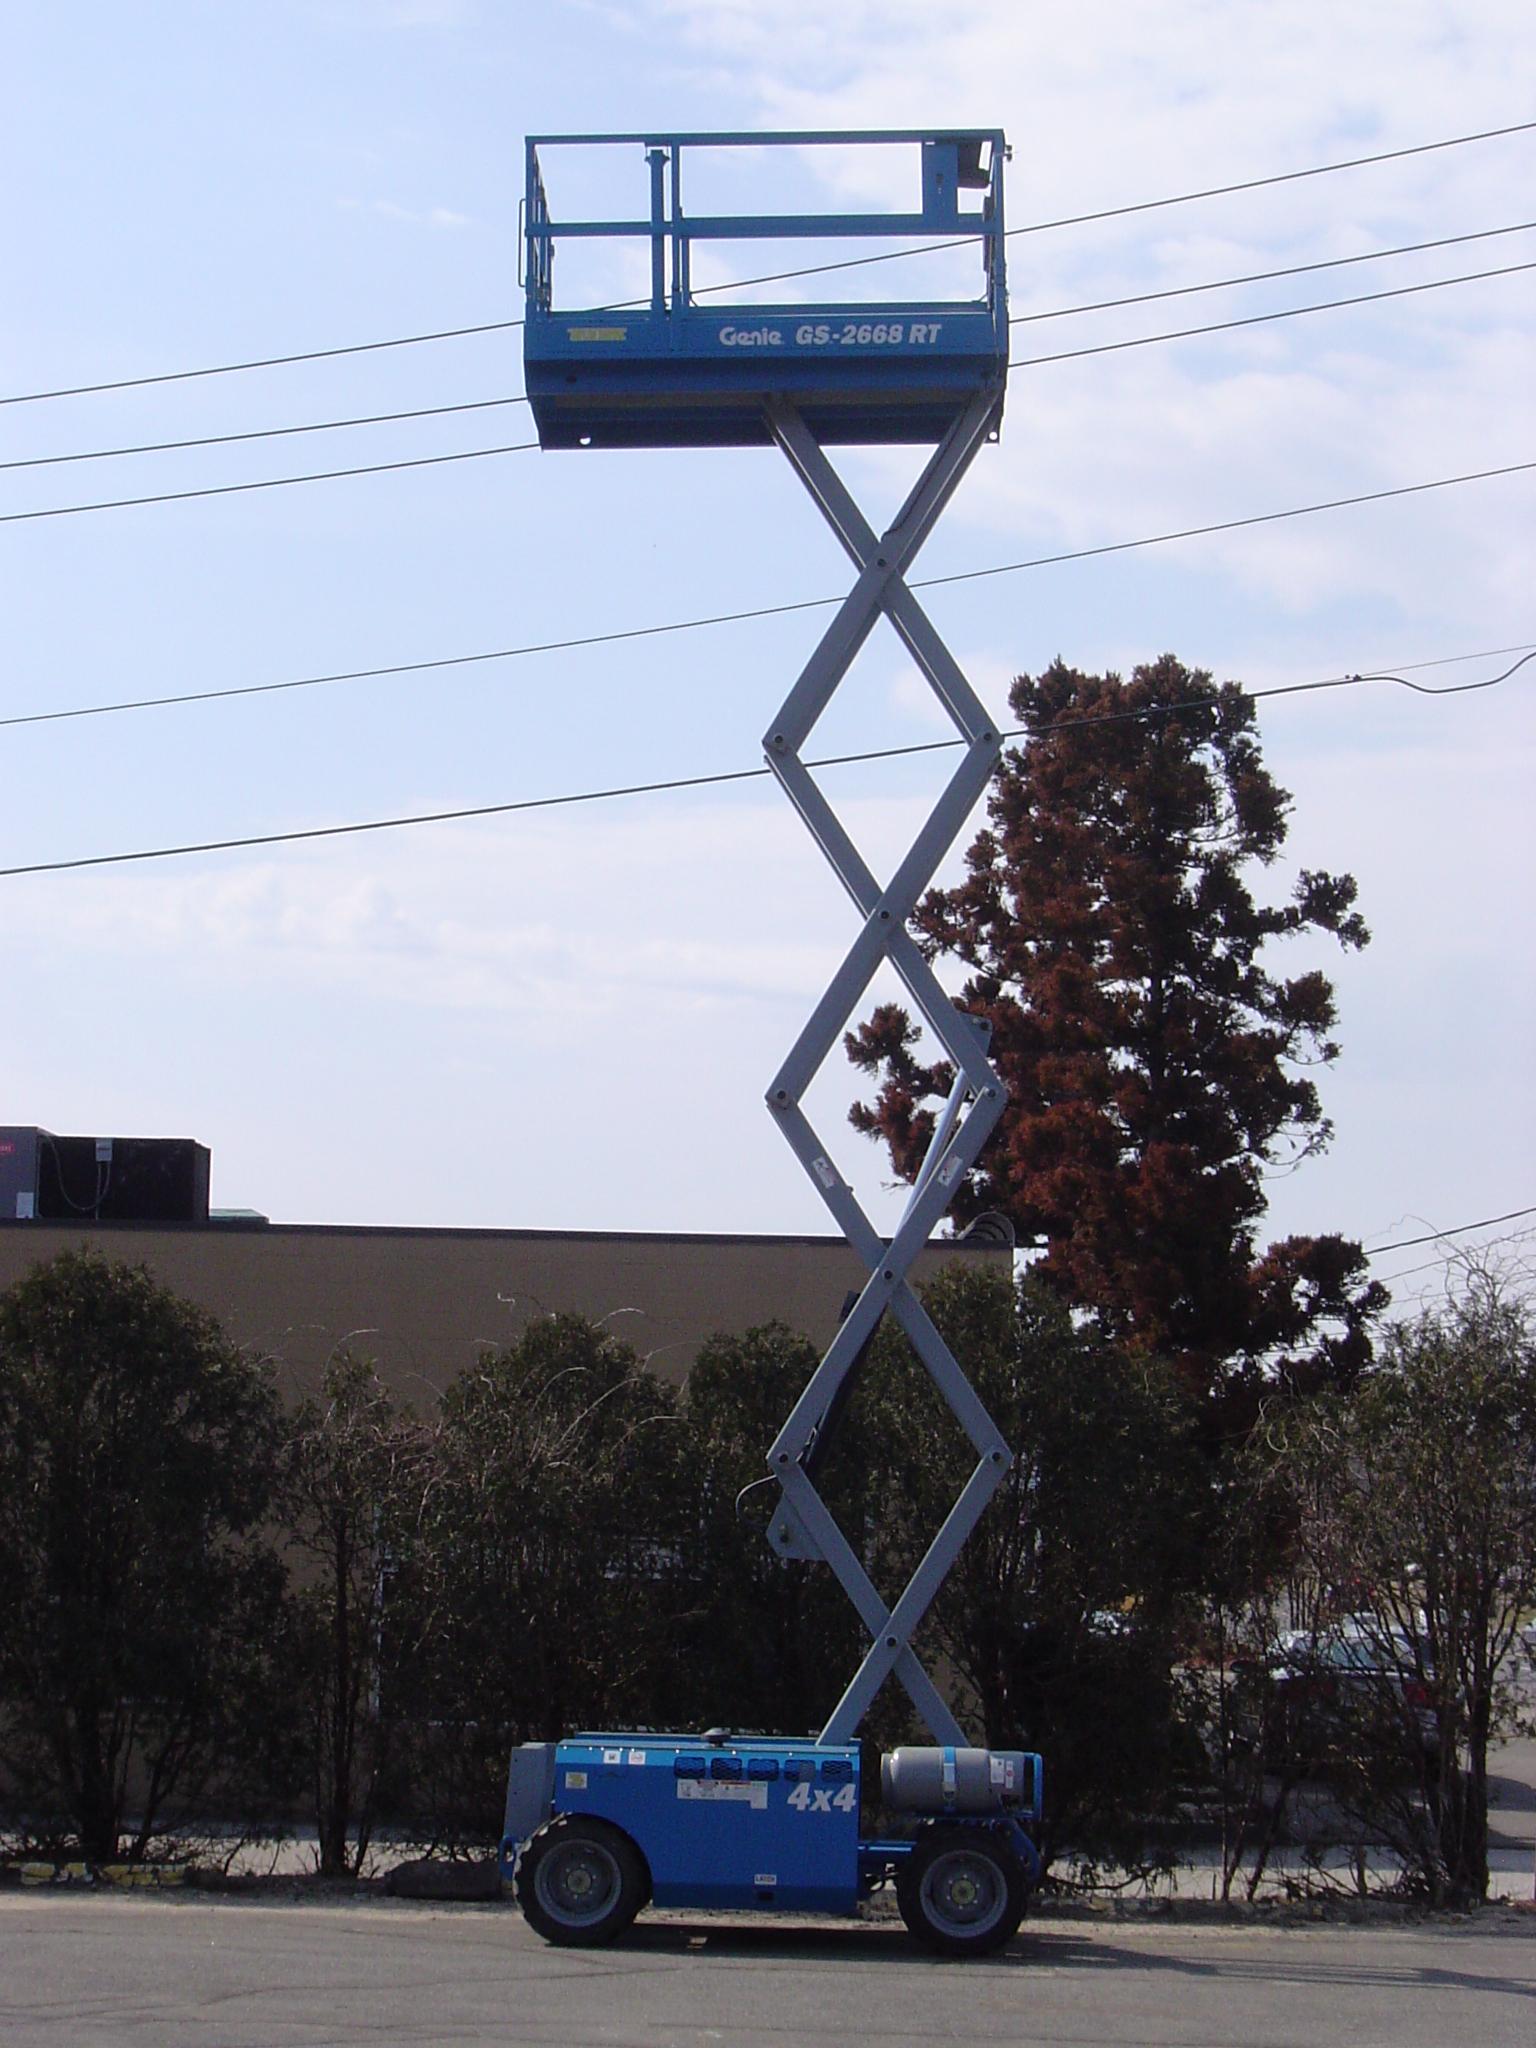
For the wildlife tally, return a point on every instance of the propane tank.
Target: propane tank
(917, 1780)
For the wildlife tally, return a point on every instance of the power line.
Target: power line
(851, 263)
(590, 796)
(308, 355)
(525, 447)
(270, 483)
(1075, 220)
(1441, 1260)
(1223, 284)
(1404, 1244)
(374, 419)
(1022, 320)
(1299, 690)
(1220, 526)
(1401, 291)
(807, 604)
(1353, 163)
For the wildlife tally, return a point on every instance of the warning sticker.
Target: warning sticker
(707, 1788)
(575, 1781)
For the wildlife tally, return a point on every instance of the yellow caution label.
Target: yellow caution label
(598, 333)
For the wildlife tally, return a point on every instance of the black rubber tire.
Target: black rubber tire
(961, 1892)
(580, 1882)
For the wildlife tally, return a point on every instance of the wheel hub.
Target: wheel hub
(964, 1892)
(578, 1883)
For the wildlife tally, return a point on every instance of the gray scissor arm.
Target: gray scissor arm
(802, 1526)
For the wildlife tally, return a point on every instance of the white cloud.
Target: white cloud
(1108, 103)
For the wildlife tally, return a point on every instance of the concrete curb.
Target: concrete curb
(81, 1875)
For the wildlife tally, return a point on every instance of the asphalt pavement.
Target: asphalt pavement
(93, 1971)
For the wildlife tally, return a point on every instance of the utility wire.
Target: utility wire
(1115, 214)
(1022, 320)
(525, 447)
(1223, 284)
(308, 355)
(1402, 291)
(1443, 1259)
(1404, 1244)
(852, 263)
(269, 483)
(806, 604)
(1220, 526)
(591, 796)
(374, 419)
(1353, 163)
(1076, 220)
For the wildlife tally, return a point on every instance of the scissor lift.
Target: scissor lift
(599, 1824)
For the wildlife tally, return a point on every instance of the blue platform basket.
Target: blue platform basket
(675, 370)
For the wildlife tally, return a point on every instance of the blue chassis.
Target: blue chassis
(764, 1823)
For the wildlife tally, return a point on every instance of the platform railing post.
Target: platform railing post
(682, 285)
(657, 159)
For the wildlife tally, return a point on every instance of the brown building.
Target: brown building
(424, 1303)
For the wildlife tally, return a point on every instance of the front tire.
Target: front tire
(961, 1892)
(580, 1882)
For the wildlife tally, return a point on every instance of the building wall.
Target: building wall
(424, 1303)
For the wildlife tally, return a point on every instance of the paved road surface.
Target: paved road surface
(111, 1972)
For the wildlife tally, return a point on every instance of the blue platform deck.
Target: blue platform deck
(675, 372)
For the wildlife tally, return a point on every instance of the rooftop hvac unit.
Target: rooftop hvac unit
(101, 1180)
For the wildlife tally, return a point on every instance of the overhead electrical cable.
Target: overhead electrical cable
(527, 447)
(736, 284)
(441, 661)
(1458, 1254)
(852, 263)
(771, 611)
(269, 483)
(373, 419)
(1401, 291)
(307, 355)
(1404, 1244)
(680, 782)
(1353, 163)
(1219, 526)
(1224, 284)
(1022, 320)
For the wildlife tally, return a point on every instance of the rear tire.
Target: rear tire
(580, 1882)
(961, 1892)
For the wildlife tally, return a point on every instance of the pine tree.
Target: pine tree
(1159, 1071)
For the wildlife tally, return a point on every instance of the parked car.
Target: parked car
(1337, 1692)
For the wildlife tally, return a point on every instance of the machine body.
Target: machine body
(599, 1825)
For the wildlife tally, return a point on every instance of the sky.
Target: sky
(565, 1019)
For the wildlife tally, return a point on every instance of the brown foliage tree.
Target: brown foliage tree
(1158, 1070)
